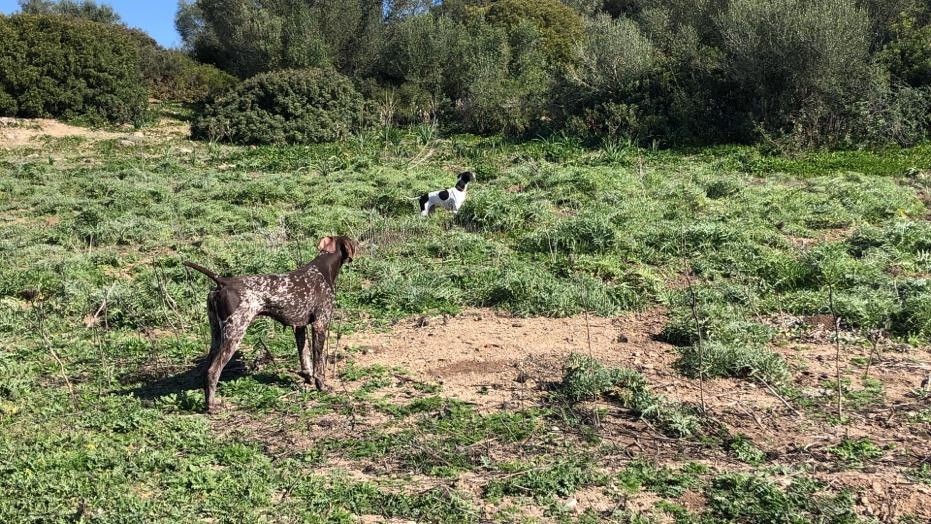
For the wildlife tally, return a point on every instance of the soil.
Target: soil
(18, 132)
(500, 362)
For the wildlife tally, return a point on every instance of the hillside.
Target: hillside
(459, 360)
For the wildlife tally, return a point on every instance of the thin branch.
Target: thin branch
(693, 305)
(837, 355)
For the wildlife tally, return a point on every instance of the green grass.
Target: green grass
(101, 325)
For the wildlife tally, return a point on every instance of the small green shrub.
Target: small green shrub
(492, 209)
(563, 477)
(745, 451)
(52, 66)
(289, 106)
(660, 480)
(584, 378)
(587, 233)
(856, 451)
(723, 359)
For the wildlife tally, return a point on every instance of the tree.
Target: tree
(559, 27)
(86, 9)
(247, 37)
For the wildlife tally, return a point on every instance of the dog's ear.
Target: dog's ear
(348, 247)
(327, 244)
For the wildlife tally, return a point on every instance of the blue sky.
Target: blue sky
(156, 17)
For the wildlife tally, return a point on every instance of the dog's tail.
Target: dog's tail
(210, 274)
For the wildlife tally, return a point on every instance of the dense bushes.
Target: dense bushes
(788, 73)
(841, 73)
(289, 106)
(53, 66)
(174, 76)
(245, 38)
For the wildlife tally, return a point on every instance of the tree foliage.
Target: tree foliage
(86, 9)
(249, 37)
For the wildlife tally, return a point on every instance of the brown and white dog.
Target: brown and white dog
(300, 298)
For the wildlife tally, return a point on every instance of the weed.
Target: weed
(856, 452)
(559, 478)
(753, 499)
(731, 360)
(662, 481)
(921, 473)
(584, 378)
(744, 450)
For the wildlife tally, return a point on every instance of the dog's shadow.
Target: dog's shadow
(156, 382)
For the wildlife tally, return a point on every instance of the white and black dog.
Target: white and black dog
(451, 198)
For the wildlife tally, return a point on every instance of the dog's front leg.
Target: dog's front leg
(303, 353)
(318, 339)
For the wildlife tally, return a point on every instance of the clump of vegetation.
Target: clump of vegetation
(584, 378)
(559, 26)
(856, 451)
(744, 450)
(722, 359)
(96, 77)
(741, 497)
(663, 481)
(176, 77)
(289, 106)
(559, 478)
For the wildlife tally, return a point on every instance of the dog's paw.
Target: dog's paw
(321, 386)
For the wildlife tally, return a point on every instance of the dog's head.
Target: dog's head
(464, 178)
(343, 245)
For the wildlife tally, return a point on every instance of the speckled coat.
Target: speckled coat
(300, 298)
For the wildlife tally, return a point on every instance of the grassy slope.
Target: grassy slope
(94, 232)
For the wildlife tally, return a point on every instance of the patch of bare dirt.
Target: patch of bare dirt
(501, 362)
(16, 132)
(493, 360)
(20, 132)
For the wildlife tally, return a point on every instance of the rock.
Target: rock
(126, 143)
(622, 339)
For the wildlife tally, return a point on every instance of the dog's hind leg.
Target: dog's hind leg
(233, 330)
(216, 334)
(424, 205)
